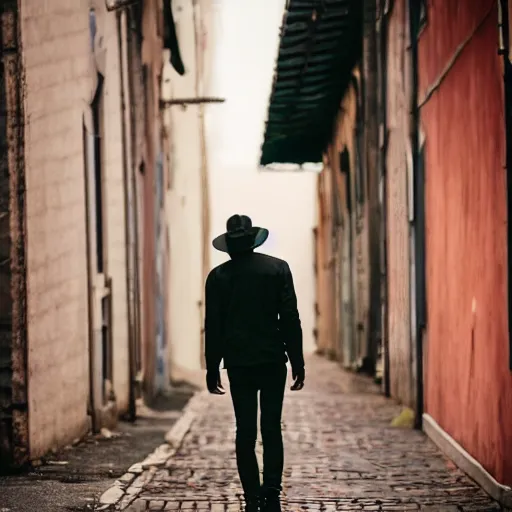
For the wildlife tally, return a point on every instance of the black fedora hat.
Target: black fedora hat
(240, 235)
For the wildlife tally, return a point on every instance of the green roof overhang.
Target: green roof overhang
(320, 45)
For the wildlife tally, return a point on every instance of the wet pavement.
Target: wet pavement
(342, 454)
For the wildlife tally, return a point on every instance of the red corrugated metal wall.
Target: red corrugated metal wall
(468, 382)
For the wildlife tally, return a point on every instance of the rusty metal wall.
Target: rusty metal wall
(468, 381)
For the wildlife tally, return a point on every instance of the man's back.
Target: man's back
(252, 315)
(252, 322)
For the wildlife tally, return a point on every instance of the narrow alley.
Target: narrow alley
(340, 449)
(365, 144)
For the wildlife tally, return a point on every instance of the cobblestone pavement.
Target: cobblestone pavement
(341, 455)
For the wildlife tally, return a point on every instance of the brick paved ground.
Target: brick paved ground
(341, 454)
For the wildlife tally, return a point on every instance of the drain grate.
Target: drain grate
(77, 479)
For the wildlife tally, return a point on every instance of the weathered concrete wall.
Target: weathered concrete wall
(60, 76)
(55, 38)
(398, 230)
(469, 384)
(185, 201)
(188, 196)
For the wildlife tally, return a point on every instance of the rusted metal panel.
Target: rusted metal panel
(468, 382)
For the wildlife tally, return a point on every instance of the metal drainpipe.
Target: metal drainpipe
(132, 410)
(382, 63)
(204, 175)
(133, 180)
(504, 48)
(418, 190)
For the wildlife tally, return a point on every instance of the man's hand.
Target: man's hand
(299, 376)
(214, 383)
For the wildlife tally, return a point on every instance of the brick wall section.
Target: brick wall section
(56, 48)
(114, 204)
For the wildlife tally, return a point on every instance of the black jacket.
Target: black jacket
(251, 313)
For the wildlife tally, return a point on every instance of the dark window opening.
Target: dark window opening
(359, 164)
(345, 169)
(106, 345)
(97, 117)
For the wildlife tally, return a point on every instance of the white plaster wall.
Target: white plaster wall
(246, 46)
(184, 206)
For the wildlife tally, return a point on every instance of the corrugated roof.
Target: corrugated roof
(320, 44)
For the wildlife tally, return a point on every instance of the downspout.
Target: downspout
(371, 152)
(382, 38)
(132, 411)
(504, 50)
(205, 199)
(133, 179)
(92, 409)
(419, 197)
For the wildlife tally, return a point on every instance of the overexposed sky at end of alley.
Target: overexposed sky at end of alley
(246, 36)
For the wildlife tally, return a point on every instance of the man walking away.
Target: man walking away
(252, 322)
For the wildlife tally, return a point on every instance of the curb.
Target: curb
(126, 489)
(501, 493)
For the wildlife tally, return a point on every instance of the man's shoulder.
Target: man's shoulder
(214, 272)
(277, 263)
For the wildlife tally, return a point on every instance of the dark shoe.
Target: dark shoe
(271, 502)
(252, 505)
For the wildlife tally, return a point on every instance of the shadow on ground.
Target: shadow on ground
(73, 479)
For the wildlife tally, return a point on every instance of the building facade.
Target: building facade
(84, 229)
(467, 344)
(186, 100)
(440, 90)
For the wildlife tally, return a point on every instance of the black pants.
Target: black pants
(270, 381)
